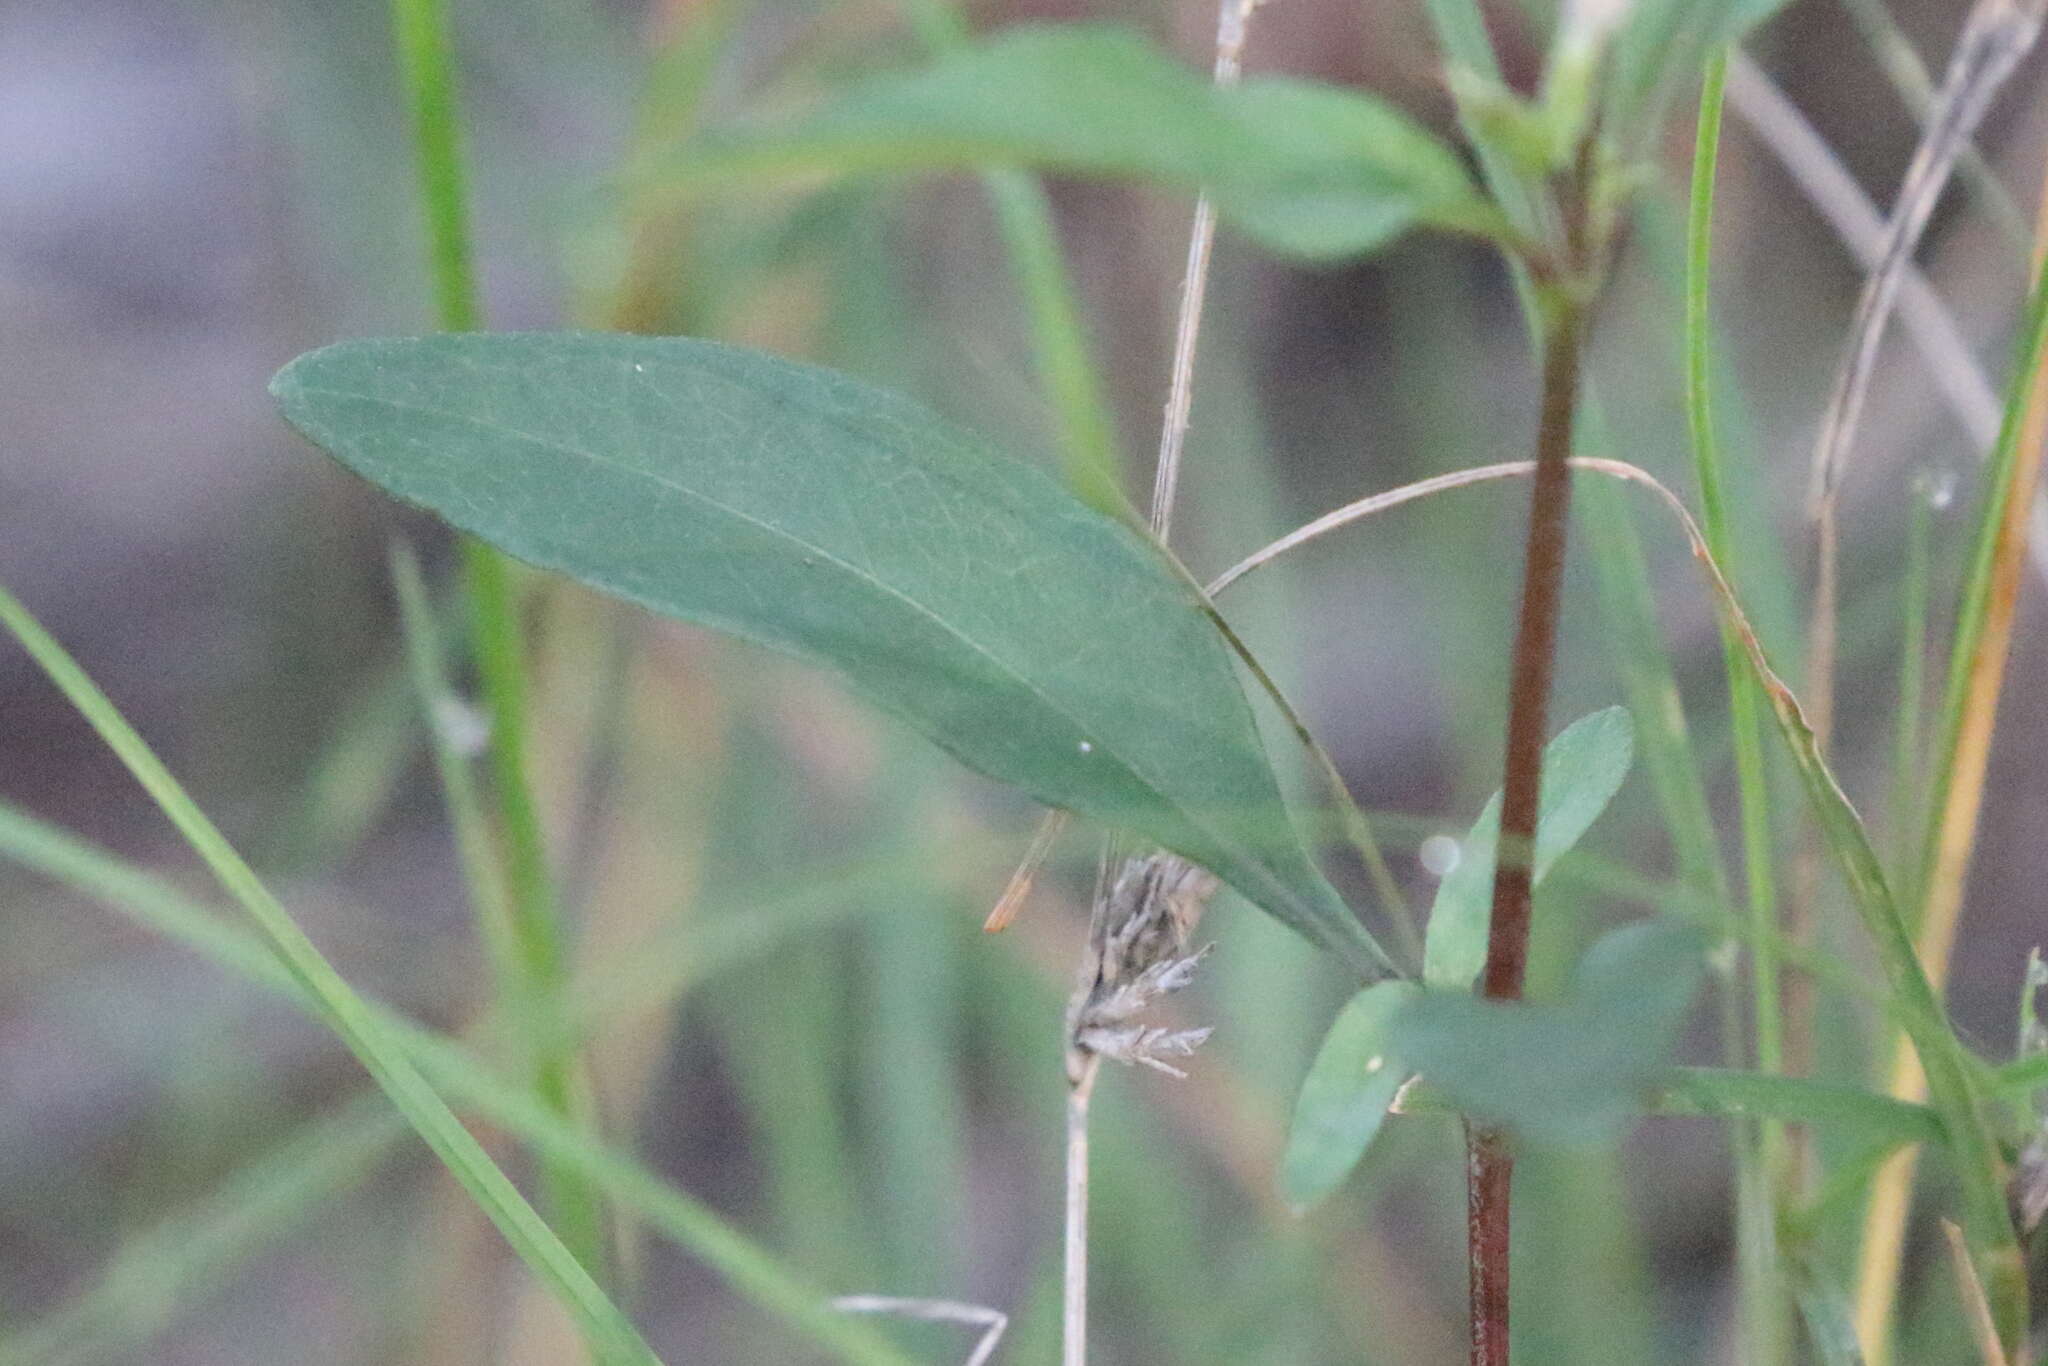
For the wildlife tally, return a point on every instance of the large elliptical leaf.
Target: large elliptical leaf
(1037, 640)
(1313, 170)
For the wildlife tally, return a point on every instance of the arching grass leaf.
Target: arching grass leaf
(1311, 170)
(1039, 641)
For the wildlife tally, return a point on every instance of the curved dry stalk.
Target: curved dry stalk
(1724, 592)
(1232, 25)
(992, 1322)
(1994, 38)
(1366, 507)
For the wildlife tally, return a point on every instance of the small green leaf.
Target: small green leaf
(1312, 170)
(1337, 173)
(1502, 122)
(1345, 1096)
(1040, 642)
(1571, 1072)
(1583, 767)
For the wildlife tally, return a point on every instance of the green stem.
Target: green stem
(1763, 1173)
(473, 844)
(1904, 812)
(1489, 1159)
(427, 58)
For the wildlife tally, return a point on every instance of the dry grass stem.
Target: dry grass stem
(992, 1322)
(1363, 508)
(1012, 900)
(1139, 926)
(1994, 38)
(1232, 24)
(1833, 192)
(1776, 689)
(1138, 934)
(1074, 1282)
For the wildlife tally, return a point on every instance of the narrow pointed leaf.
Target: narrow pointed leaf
(1037, 640)
(1583, 767)
(1345, 1096)
(1313, 170)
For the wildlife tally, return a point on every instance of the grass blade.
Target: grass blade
(1763, 1172)
(611, 1336)
(752, 1272)
(427, 60)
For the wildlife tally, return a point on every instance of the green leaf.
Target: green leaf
(1583, 767)
(1825, 1310)
(1571, 1072)
(1345, 1096)
(1313, 170)
(1038, 641)
(1337, 173)
(1665, 44)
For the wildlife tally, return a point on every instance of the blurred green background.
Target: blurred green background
(774, 891)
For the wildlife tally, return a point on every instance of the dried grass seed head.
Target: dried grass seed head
(1138, 951)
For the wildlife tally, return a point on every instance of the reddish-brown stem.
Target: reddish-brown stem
(1490, 1163)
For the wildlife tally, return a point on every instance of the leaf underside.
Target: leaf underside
(1037, 640)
